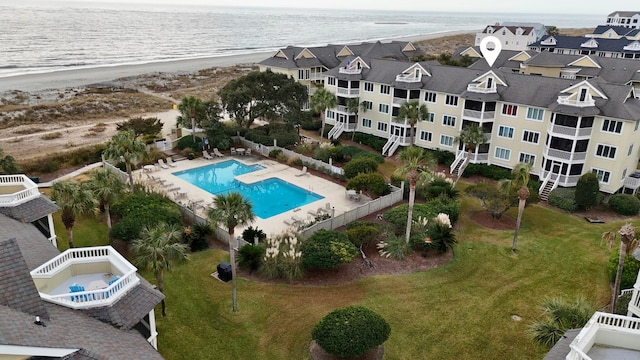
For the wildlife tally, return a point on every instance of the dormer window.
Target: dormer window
(489, 30)
(416, 73)
(489, 83)
(519, 31)
(583, 94)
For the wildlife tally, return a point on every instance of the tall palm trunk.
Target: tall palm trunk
(107, 210)
(523, 195)
(411, 135)
(322, 115)
(160, 280)
(232, 259)
(193, 129)
(130, 173)
(616, 284)
(68, 219)
(412, 197)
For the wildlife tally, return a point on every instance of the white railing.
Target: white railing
(343, 109)
(92, 298)
(569, 131)
(348, 92)
(395, 145)
(616, 331)
(336, 131)
(316, 76)
(564, 100)
(634, 303)
(481, 89)
(479, 115)
(631, 182)
(344, 70)
(399, 101)
(388, 144)
(408, 78)
(460, 162)
(29, 192)
(566, 155)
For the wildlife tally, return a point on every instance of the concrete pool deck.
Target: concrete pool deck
(335, 195)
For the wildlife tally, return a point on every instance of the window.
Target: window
(368, 87)
(505, 131)
(535, 114)
(366, 123)
(448, 120)
(612, 126)
(624, 174)
(583, 95)
(382, 126)
(383, 108)
(630, 150)
(367, 105)
(502, 153)
(430, 97)
(530, 136)
(451, 100)
(508, 109)
(301, 74)
(527, 159)
(603, 176)
(430, 117)
(426, 136)
(385, 89)
(606, 151)
(446, 140)
(330, 114)
(331, 80)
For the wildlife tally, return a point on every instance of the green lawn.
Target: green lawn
(459, 311)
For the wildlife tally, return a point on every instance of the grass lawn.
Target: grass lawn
(462, 310)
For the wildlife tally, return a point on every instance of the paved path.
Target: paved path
(71, 175)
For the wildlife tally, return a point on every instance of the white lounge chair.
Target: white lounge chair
(162, 164)
(289, 222)
(206, 155)
(314, 213)
(247, 152)
(302, 172)
(326, 209)
(170, 162)
(233, 151)
(217, 152)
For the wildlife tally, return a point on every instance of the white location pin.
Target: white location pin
(490, 54)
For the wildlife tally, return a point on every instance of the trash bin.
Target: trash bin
(224, 271)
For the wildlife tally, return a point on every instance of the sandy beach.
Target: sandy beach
(96, 75)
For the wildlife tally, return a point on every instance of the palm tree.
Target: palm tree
(231, 210)
(414, 163)
(354, 105)
(520, 181)
(107, 187)
(322, 100)
(73, 199)
(126, 147)
(471, 136)
(627, 241)
(156, 248)
(413, 112)
(189, 108)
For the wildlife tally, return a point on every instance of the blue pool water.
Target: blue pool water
(268, 197)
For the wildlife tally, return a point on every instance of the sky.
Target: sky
(498, 6)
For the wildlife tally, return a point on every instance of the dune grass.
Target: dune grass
(462, 310)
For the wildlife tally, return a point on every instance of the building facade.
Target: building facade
(511, 37)
(627, 19)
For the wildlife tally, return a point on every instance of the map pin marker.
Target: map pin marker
(490, 54)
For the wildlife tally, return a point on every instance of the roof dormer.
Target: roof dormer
(281, 54)
(345, 51)
(519, 31)
(550, 41)
(413, 74)
(354, 66)
(591, 44)
(490, 30)
(486, 83)
(409, 47)
(632, 46)
(521, 56)
(582, 94)
(305, 54)
(585, 61)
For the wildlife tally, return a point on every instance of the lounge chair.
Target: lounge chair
(233, 151)
(247, 152)
(302, 172)
(170, 162)
(74, 288)
(297, 219)
(217, 153)
(314, 213)
(326, 209)
(162, 164)
(289, 222)
(206, 155)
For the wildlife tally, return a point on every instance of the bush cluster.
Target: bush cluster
(563, 198)
(361, 165)
(624, 204)
(442, 204)
(250, 234)
(364, 235)
(371, 183)
(284, 134)
(188, 142)
(372, 141)
(196, 238)
(587, 190)
(443, 157)
(347, 153)
(327, 249)
(489, 171)
(351, 331)
(629, 270)
(140, 209)
(54, 162)
(250, 257)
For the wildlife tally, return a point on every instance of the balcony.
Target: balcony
(569, 131)
(566, 155)
(408, 78)
(399, 101)
(99, 276)
(632, 181)
(566, 100)
(349, 71)
(17, 189)
(607, 336)
(347, 92)
(343, 109)
(479, 115)
(481, 88)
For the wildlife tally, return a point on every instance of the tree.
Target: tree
(262, 94)
(8, 164)
(552, 30)
(587, 190)
(124, 146)
(156, 248)
(627, 240)
(492, 199)
(414, 162)
(322, 100)
(142, 126)
(231, 210)
(213, 127)
(190, 108)
(107, 187)
(73, 199)
(354, 105)
(471, 136)
(519, 181)
(413, 112)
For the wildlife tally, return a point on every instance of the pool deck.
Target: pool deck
(335, 195)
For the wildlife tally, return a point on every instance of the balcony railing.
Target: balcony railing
(480, 89)
(408, 78)
(399, 101)
(577, 103)
(566, 155)
(344, 70)
(25, 190)
(316, 76)
(85, 261)
(348, 92)
(569, 131)
(632, 182)
(343, 109)
(479, 115)
(608, 331)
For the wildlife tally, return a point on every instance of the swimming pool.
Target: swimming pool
(269, 197)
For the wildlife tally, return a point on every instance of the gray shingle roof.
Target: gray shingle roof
(31, 210)
(34, 247)
(17, 290)
(620, 30)
(561, 349)
(575, 42)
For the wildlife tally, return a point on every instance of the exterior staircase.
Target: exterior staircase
(547, 186)
(391, 145)
(336, 131)
(458, 165)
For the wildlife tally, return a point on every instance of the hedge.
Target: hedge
(563, 198)
(624, 204)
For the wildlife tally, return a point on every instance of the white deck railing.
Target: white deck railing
(609, 330)
(30, 190)
(479, 115)
(89, 298)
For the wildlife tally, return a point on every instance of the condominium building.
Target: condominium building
(564, 127)
(511, 37)
(628, 19)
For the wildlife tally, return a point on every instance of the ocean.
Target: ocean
(38, 37)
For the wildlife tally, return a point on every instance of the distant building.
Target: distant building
(511, 37)
(614, 32)
(577, 45)
(627, 19)
(540, 29)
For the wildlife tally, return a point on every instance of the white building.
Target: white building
(511, 37)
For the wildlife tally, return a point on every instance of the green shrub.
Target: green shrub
(624, 204)
(441, 235)
(197, 237)
(347, 153)
(372, 141)
(363, 235)
(373, 184)
(351, 331)
(284, 134)
(140, 209)
(323, 153)
(188, 142)
(363, 165)
(275, 153)
(442, 204)
(311, 124)
(489, 171)
(443, 157)
(563, 198)
(356, 224)
(250, 257)
(327, 249)
(439, 186)
(587, 190)
(622, 304)
(250, 234)
(396, 248)
(629, 270)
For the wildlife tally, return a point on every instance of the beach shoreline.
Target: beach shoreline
(104, 75)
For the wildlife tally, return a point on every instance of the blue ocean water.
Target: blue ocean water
(54, 35)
